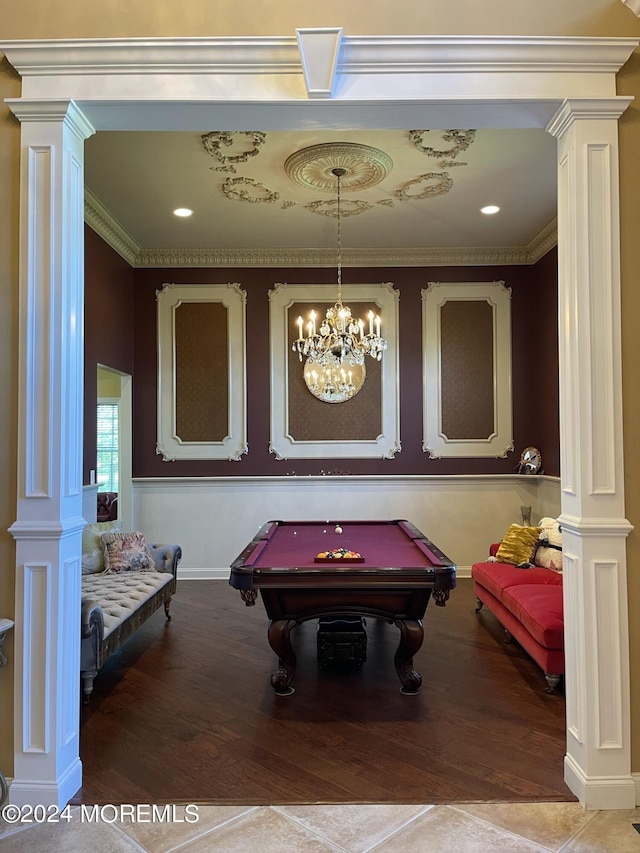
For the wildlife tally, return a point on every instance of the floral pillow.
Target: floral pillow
(126, 552)
(92, 551)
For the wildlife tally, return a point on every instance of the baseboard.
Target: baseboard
(25, 792)
(195, 574)
(600, 792)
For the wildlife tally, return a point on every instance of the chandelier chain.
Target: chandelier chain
(338, 173)
(335, 351)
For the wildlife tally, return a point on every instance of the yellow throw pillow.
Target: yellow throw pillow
(518, 545)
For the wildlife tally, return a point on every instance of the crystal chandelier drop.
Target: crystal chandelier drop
(338, 344)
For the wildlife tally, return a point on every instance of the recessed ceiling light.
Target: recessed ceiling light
(182, 211)
(489, 209)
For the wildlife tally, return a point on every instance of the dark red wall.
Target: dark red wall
(120, 332)
(108, 327)
(535, 354)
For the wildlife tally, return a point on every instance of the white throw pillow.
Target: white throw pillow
(549, 551)
(92, 552)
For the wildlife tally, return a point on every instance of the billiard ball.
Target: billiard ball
(338, 528)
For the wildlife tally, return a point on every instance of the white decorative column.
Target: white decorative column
(47, 768)
(598, 759)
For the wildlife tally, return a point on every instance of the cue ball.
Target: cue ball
(338, 528)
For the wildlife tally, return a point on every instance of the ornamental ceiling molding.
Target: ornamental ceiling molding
(106, 226)
(364, 166)
(212, 142)
(313, 168)
(317, 258)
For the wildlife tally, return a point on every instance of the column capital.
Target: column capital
(59, 110)
(575, 109)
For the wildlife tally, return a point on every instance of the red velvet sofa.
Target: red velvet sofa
(528, 604)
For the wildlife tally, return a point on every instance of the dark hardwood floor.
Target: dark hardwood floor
(184, 712)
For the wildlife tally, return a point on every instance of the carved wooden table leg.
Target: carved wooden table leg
(279, 635)
(411, 636)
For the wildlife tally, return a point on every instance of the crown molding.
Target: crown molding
(479, 54)
(543, 241)
(106, 226)
(281, 54)
(109, 229)
(222, 55)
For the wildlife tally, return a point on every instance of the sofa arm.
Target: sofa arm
(166, 557)
(493, 549)
(91, 619)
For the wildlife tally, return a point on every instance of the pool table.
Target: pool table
(397, 572)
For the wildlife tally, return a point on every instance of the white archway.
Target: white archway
(72, 88)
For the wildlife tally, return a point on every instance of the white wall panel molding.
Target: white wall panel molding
(36, 580)
(234, 299)
(282, 443)
(606, 589)
(500, 440)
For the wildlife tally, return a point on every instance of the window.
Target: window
(107, 446)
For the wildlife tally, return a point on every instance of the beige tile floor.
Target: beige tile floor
(470, 828)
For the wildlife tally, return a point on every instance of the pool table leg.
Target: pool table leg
(411, 637)
(279, 635)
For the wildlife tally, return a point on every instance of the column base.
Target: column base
(599, 792)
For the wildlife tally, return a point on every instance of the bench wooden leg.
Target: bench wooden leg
(87, 686)
(167, 605)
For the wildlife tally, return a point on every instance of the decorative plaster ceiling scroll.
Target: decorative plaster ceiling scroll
(312, 168)
(213, 141)
(329, 207)
(233, 188)
(461, 139)
(443, 185)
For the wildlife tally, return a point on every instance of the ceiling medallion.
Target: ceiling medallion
(363, 166)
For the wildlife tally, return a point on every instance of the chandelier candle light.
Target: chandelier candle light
(335, 353)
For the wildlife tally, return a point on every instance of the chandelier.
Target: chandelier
(335, 347)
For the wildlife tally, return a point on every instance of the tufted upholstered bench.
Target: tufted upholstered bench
(114, 606)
